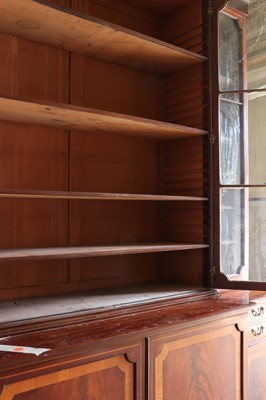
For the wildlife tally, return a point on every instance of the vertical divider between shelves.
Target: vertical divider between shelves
(69, 161)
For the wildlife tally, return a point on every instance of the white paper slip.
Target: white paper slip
(23, 349)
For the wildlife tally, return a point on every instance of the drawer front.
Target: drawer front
(257, 331)
(257, 313)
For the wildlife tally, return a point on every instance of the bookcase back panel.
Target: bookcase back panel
(33, 223)
(63, 3)
(33, 70)
(33, 157)
(111, 87)
(26, 279)
(110, 163)
(119, 13)
(95, 273)
(112, 222)
(184, 266)
(184, 27)
(158, 7)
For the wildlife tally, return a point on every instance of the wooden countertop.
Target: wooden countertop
(73, 335)
(242, 296)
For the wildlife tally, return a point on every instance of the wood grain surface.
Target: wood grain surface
(69, 30)
(72, 117)
(93, 251)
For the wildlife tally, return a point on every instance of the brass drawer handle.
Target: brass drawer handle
(258, 312)
(257, 332)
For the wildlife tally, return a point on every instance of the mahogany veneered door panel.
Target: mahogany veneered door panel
(116, 375)
(204, 363)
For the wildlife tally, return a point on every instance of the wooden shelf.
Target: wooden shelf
(93, 251)
(50, 24)
(46, 194)
(79, 118)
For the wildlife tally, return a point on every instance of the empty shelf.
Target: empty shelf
(93, 251)
(64, 28)
(47, 194)
(79, 118)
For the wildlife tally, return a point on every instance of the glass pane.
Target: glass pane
(243, 233)
(231, 138)
(242, 139)
(231, 218)
(257, 138)
(242, 45)
(230, 53)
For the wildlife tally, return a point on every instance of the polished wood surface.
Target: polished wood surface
(98, 300)
(63, 336)
(196, 365)
(108, 378)
(116, 373)
(204, 335)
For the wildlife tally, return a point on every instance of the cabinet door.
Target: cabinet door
(204, 363)
(117, 375)
(257, 372)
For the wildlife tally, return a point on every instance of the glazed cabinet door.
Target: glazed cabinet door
(200, 363)
(112, 375)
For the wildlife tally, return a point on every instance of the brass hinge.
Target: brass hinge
(210, 10)
(212, 139)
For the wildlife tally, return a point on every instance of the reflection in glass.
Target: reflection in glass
(231, 230)
(231, 140)
(257, 137)
(242, 140)
(256, 42)
(243, 233)
(230, 53)
(242, 25)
